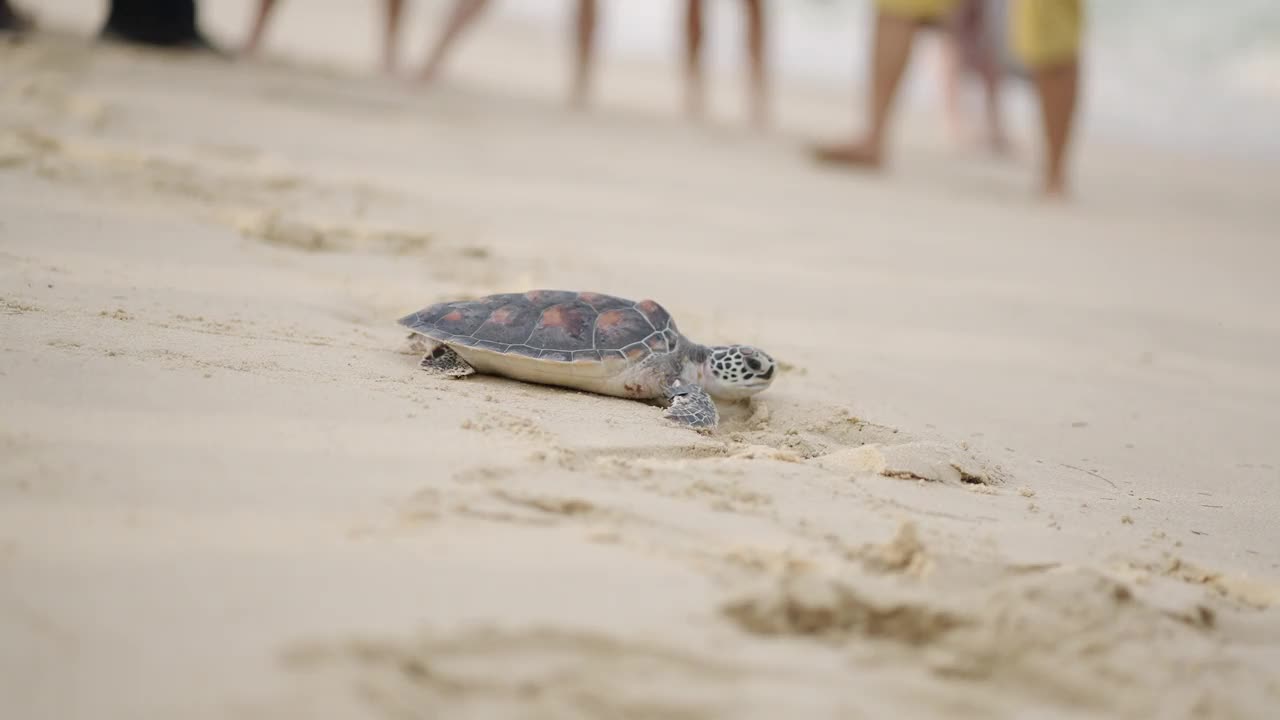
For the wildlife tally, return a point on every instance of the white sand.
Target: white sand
(1023, 458)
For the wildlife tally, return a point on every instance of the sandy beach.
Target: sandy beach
(1021, 460)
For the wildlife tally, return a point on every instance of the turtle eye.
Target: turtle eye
(754, 364)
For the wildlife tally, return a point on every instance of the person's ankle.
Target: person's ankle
(865, 153)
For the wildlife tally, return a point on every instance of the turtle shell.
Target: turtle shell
(551, 326)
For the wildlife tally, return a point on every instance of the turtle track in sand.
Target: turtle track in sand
(1058, 639)
(1057, 634)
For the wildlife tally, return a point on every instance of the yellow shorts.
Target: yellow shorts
(1043, 32)
(1046, 32)
(930, 10)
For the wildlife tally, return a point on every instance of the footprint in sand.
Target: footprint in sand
(280, 229)
(545, 671)
(550, 505)
(17, 307)
(275, 228)
(1063, 634)
(508, 423)
(118, 314)
(809, 605)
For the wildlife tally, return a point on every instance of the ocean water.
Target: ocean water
(1201, 73)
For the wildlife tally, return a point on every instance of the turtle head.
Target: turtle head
(733, 372)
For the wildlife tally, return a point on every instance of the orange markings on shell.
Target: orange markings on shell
(654, 313)
(541, 295)
(610, 319)
(554, 316)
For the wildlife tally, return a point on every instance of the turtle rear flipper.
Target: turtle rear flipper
(692, 406)
(444, 361)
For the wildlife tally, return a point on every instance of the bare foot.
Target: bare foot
(580, 93)
(860, 155)
(1000, 146)
(960, 134)
(996, 144)
(1055, 191)
(694, 106)
(761, 117)
(389, 68)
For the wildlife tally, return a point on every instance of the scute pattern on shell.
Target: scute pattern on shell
(551, 325)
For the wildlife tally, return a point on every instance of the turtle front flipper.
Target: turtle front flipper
(442, 360)
(692, 406)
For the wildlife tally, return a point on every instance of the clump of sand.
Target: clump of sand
(924, 460)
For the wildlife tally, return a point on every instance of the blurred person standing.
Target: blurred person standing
(971, 43)
(463, 16)
(166, 23)
(465, 13)
(13, 20)
(1045, 38)
(757, 64)
(394, 12)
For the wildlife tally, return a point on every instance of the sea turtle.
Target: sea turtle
(588, 341)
